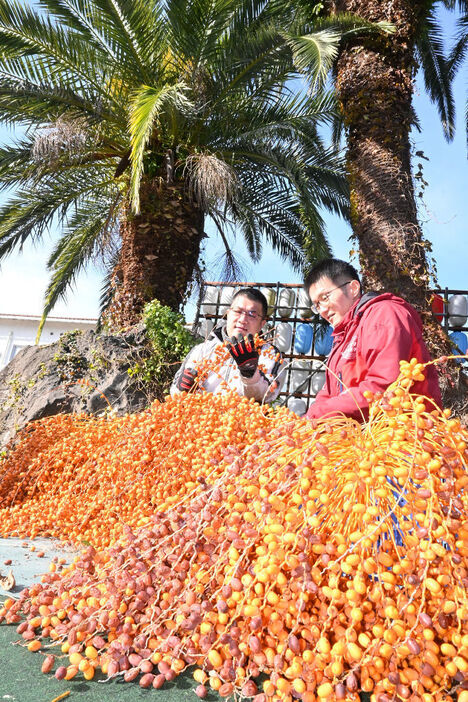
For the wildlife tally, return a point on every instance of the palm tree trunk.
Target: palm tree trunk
(160, 248)
(374, 83)
(375, 87)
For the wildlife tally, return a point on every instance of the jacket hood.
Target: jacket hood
(219, 333)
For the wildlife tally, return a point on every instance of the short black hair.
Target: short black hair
(333, 268)
(254, 295)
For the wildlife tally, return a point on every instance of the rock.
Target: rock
(81, 372)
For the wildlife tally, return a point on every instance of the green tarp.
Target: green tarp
(21, 679)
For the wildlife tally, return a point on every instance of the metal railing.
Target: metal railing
(446, 294)
(308, 365)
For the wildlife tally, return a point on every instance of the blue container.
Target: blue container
(303, 338)
(323, 341)
(460, 340)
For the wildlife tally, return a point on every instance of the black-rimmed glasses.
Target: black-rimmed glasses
(324, 297)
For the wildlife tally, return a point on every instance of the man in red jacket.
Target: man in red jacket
(372, 333)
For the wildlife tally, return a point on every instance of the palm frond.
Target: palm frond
(198, 28)
(24, 33)
(30, 213)
(315, 54)
(39, 103)
(129, 24)
(257, 64)
(458, 52)
(145, 109)
(290, 117)
(16, 165)
(348, 24)
(436, 71)
(269, 224)
(71, 254)
(138, 28)
(462, 5)
(231, 268)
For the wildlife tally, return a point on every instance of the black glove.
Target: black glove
(245, 354)
(186, 380)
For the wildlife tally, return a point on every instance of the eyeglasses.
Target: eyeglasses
(251, 314)
(324, 297)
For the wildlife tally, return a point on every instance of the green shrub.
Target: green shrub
(170, 342)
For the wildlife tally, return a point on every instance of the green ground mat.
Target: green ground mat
(21, 680)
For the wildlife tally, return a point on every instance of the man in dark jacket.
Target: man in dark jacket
(372, 333)
(240, 366)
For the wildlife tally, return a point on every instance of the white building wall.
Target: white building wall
(18, 331)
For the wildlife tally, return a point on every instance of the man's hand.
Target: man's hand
(187, 380)
(245, 354)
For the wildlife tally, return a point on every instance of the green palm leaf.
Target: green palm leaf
(436, 71)
(75, 248)
(123, 98)
(145, 111)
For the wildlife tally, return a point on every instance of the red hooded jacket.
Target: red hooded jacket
(368, 344)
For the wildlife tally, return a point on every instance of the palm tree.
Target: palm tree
(374, 75)
(143, 118)
(374, 79)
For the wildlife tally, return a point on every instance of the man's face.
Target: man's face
(334, 300)
(244, 317)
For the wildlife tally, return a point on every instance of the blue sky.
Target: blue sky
(443, 212)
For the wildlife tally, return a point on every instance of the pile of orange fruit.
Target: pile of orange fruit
(81, 478)
(284, 560)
